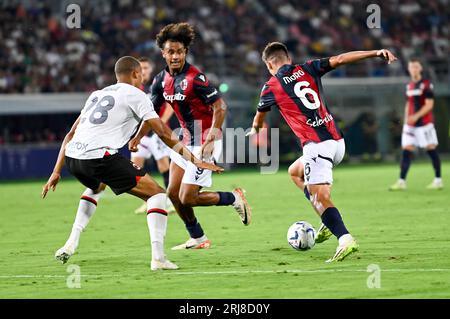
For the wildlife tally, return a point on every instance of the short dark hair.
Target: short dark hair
(126, 65)
(415, 59)
(274, 50)
(145, 59)
(178, 32)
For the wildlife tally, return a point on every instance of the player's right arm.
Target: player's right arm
(56, 174)
(267, 100)
(168, 137)
(142, 106)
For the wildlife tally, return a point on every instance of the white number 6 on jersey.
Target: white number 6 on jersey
(302, 95)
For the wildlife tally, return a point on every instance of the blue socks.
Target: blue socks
(225, 199)
(194, 229)
(333, 220)
(405, 163)
(436, 162)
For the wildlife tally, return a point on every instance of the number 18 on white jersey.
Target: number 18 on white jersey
(108, 120)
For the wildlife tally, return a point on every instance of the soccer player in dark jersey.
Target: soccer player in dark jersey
(152, 145)
(418, 129)
(200, 111)
(296, 90)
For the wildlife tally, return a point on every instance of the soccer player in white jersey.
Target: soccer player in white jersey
(107, 122)
(418, 129)
(152, 145)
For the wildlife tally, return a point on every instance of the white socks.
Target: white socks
(345, 239)
(157, 224)
(86, 208)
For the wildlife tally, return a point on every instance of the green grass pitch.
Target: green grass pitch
(405, 234)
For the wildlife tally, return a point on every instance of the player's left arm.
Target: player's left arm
(219, 108)
(56, 174)
(355, 56)
(425, 109)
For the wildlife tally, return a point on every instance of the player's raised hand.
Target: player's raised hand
(253, 131)
(211, 166)
(51, 184)
(387, 55)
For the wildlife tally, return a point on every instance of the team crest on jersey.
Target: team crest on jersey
(162, 84)
(202, 77)
(184, 84)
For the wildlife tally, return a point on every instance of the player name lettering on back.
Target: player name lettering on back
(174, 97)
(319, 121)
(293, 77)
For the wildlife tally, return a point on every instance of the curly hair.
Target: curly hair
(179, 32)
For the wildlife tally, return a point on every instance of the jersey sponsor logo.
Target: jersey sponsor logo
(184, 84)
(415, 92)
(293, 77)
(317, 121)
(212, 94)
(78, 146)
(174, 97)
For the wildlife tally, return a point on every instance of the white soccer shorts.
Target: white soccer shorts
(420, 136)
(152, 146)
(320, 158)
(192, 174)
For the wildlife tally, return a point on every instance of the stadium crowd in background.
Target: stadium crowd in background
(38, 53)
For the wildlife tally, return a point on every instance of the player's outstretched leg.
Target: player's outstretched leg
(405, 163)
(435, 160)
(297, 173)
(86, 209)
(331, 218)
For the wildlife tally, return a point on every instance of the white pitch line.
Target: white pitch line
(236, 272)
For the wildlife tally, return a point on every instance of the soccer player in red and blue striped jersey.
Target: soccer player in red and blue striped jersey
(296, 90)
(201, 111)
(418, 129)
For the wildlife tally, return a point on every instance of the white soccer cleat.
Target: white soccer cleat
(63, 254)
(436, 184)
(163, 265)
(344, 249)
(400, 185)
(194, 243)
(242, 207)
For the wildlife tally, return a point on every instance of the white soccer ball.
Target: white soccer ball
(301, 236)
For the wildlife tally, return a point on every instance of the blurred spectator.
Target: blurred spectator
(39, 54)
